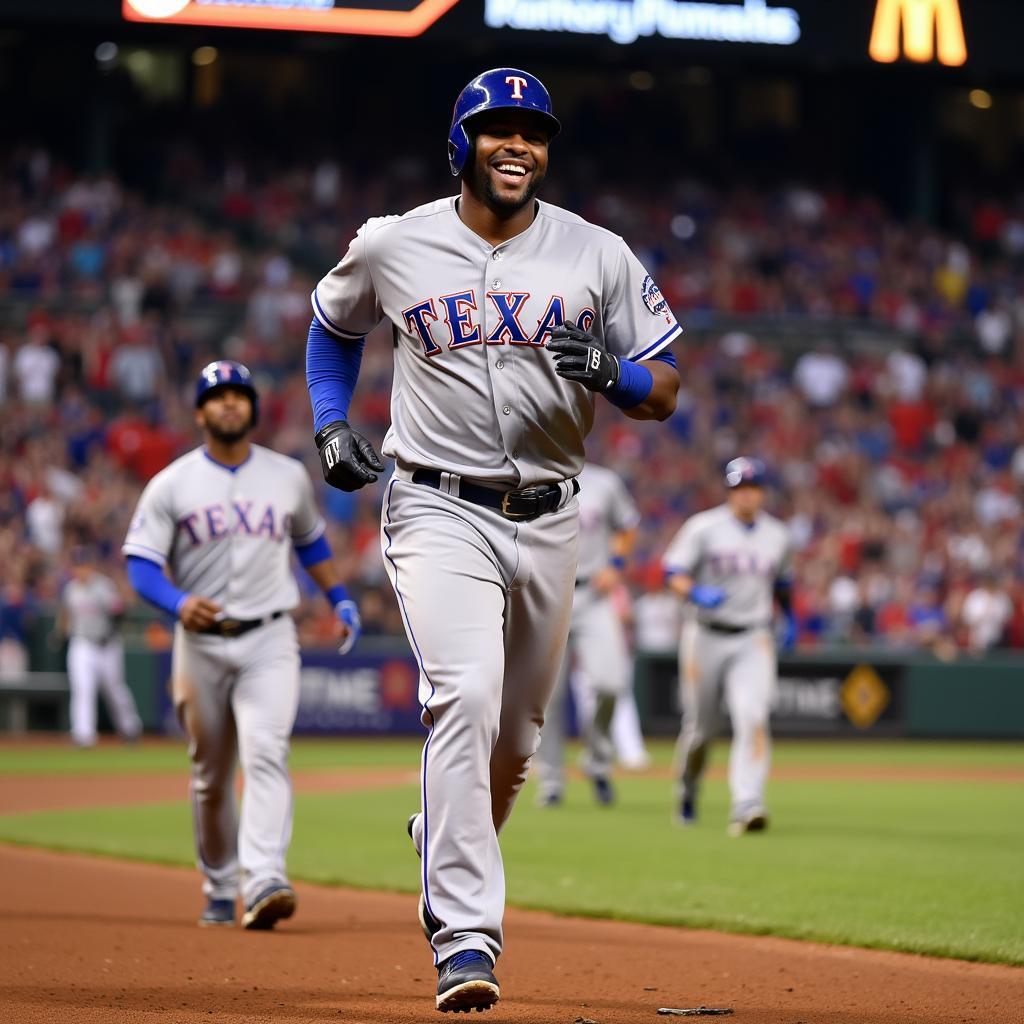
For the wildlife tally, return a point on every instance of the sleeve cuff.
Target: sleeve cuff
(310, 536)
(656, 346)
(141, 551)
(328, 324)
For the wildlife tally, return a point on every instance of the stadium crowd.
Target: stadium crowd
(895, 445)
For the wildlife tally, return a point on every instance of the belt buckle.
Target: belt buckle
(230, 627)
(527, 493)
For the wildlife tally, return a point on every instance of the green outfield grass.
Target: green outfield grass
(151, 757)
(926, 866)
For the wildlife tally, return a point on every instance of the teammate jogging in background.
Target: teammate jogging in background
(510, 318)
(222, 520)
(730, 562)
(597, 639)
(90, 615)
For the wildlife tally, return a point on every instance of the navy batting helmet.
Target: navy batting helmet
(227, 373)
(745, 471)
(497, 89)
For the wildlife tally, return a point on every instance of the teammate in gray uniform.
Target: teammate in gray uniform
(597, 639)
(508, 315)
(730, 562)
(223, 520)
(90, 614)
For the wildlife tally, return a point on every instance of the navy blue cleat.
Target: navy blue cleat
(218, 914)
(272, 904)
(687, 812)
(430, 924)
(466, 982)
(603, 792)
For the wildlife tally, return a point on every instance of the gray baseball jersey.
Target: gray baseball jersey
(597, 638)
(96, 658)
(486, 601)
(606, 508)
(729, 652)
(474, 392)
(226, 533)
(716, 549)
(91, 606)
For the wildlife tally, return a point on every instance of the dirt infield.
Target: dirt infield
(104, 942)
(63, 792)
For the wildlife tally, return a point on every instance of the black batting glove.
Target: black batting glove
(347, 459)
(582, 358)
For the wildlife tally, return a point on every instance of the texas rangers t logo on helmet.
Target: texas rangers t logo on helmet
(518, 85)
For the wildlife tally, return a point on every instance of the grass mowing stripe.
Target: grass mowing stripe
(922, 867)
(156, 756)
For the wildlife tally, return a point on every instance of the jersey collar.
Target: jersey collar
(221, 465)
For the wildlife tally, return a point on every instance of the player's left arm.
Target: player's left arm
(782, 591)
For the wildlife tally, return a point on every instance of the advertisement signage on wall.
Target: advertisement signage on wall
(812, 698)
(626, 21)
(358, 695)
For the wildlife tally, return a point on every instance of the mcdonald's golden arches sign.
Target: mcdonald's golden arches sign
(928, 29)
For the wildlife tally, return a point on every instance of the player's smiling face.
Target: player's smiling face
(226, 414)
(510, 159)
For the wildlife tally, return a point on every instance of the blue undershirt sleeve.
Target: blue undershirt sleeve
(666, 355)
(311, 554)
(332, 369)
(149, 582)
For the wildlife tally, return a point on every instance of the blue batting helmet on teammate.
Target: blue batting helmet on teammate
(227, 373)
(742, 471)
(497, 89)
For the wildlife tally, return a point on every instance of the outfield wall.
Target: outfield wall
(842, 692)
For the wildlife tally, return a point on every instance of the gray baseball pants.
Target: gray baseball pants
(742, 667)
(236, 698)
(486, 604)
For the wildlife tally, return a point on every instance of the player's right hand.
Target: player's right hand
(198, 613)
(347, 459)
(704, 596)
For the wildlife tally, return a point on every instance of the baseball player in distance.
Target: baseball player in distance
(731, 563)
(90, 615)
(511, 318)
(597, 638)
(222, 521)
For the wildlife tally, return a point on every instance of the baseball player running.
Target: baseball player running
(729, 562)
(222, 520)
(597, 639)
(90, 614)
(509, 316)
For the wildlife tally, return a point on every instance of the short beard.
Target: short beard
(222, 436)
(483, 186)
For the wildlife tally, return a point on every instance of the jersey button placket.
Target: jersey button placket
(501, 383)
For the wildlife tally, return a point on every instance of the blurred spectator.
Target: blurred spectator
(36, 365)
(986, 612)
(136, 366)
(821, 376)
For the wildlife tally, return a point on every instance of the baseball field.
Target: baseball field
(915, 848)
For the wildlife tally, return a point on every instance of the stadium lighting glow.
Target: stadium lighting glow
(980, 98)
(204, 55)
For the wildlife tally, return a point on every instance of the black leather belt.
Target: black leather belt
(236, 627)
(725, 627)
(520, 505)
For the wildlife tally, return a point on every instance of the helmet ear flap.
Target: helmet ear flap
(459, 147)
